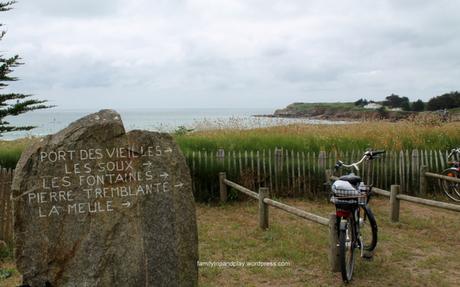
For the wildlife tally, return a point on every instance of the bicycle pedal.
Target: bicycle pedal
(369, 256)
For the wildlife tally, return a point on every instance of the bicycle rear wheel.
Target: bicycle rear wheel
(347, 246)
(368, 230)
(451, 189)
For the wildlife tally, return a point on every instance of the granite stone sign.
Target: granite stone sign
(96, 206)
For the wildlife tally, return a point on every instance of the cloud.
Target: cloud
(206, 53)
(70, 8)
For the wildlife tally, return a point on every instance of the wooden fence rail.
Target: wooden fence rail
(265, 202)
(264, 198)
(396, 196)
(243, 189)
(444, 177)
(300, 213)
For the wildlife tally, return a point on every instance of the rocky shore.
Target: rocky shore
(339, 112)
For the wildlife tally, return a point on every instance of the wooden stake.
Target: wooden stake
(394, 203)
(222, 187)
(263, 208)
(334, 262)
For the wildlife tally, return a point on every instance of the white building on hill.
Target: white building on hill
(372, 106)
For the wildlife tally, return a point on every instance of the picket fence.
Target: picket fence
(301, 173)
(6, 212)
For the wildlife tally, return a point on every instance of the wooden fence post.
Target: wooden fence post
(423, 182)
(328, 174)
(334, 262)
(220, 155)
(368, 166)
(415, 163)
(6, 211)
(263, 208)
(394, 203)
(322, 160)
(222, 187)
(3, 214)
(279, 158)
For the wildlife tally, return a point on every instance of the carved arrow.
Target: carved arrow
(148, 164)
(168, 150)
(180, 184)
(164, 175)
(126, 204)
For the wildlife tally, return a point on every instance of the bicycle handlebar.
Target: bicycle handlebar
(374, 153)
(368, 155)
(454, 151)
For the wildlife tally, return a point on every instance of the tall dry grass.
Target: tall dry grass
(411, 134)
(417, 133)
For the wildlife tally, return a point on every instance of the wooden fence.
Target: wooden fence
(264, 202)
(396, 196)
(299, 173)
(263, 197)
(6, 213)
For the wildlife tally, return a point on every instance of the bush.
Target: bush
(395, 101)
(361, 102)
(418, 106)
(446, 101)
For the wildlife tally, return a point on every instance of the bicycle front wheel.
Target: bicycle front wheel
(368, 230)
(451, 189)
(347, 245)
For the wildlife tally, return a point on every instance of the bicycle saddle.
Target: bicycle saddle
(352, 178)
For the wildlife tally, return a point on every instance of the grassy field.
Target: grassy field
(420, 134)
(314, 138)
(330, 106)
(419, 251)
(422, 250)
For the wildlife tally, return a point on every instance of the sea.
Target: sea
(164, 120)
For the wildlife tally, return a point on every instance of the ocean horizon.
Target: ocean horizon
(156, 119)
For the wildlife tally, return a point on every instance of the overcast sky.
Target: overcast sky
(231, 53)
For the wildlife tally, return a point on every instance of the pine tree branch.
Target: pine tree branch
(5, 6)
(21, 106)
(9, 97)
(5, 129)
(7, 67)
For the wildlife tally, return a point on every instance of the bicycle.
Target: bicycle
(355, 221)
(450, 188)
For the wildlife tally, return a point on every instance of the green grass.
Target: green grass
(314, 138)
(10, 151)
(6, 252)
(407, 253)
